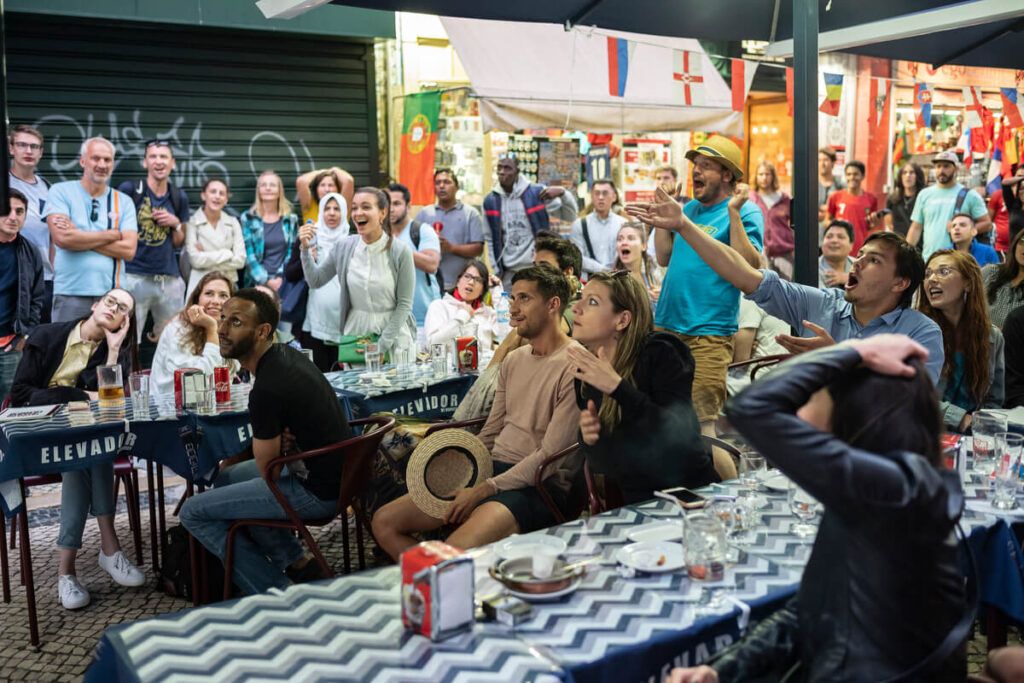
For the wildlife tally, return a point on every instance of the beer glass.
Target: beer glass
(111, 386)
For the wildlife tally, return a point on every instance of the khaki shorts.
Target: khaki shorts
(712, 356)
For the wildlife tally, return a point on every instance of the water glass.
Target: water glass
(138, 383)
(1007, 468)
(805, 507)
(984, 426)
(439, 359)
(752, 468)
(704, 547)
(111, 386)
(371, 352)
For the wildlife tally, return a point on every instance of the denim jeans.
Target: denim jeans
(8, 367)
(83, 491)
(68, 307)
(261, 555)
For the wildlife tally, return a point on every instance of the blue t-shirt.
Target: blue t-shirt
(8, 286)
(155, 252)
(87, 273)
(424, 293)
(984, 254)
(694, 299)
(933, 209)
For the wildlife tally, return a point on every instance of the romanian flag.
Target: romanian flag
(1012, 107)
(419, 137)
(923, 105)
(833, 93)
(742, 77)
(619, 52)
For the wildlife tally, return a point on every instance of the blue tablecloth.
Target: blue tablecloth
(414, 395)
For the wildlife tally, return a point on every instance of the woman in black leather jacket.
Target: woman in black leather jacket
(883, 586)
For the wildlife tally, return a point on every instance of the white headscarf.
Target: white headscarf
(327, 237)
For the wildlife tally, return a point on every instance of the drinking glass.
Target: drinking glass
(439, 359)
(984, 426)
(138, 383)
(704, 547)
(805, 507)
(1007, 467)
(111, 386)
(371, 352)
(752, 467)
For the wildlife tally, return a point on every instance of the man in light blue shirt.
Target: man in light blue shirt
(936, 204)
(426, 252)
(94, 230)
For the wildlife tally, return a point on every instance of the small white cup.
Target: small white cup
(544, 563)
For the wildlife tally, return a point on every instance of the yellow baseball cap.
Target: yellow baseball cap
(721, 149)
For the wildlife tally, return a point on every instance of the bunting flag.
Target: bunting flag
(789, 89)
(1012, 107)
(687, 71)
(620, 52)
(999, 167)
(922, 105)
(881, 99)
(419, 137)
(899, 149)
(742, 77)
(833, 94)
(972, 101)
(1011, 155)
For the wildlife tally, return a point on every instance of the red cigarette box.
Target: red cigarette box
(437, 590)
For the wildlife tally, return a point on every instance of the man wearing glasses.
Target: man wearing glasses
(93, 228)
(25, 145)
(161, 210)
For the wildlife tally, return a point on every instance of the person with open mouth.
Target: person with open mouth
(632, 256)
(973, 373)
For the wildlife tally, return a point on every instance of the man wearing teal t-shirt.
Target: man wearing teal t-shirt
(695, 303)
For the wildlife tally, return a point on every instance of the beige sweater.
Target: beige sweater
(534, 414)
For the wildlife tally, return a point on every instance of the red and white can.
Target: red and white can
(222, 384)
(466, 350)
(178, 393)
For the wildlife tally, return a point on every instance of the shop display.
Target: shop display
(641, 159)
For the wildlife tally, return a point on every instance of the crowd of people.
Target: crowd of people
(623, 324)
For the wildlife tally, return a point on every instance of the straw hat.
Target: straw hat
(721, 149)
(442, 465)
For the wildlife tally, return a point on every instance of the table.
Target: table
(415, 395)
(349, 629)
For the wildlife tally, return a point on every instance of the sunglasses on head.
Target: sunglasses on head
(95, 213)
(156, 142)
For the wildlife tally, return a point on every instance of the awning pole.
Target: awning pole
(5, 207)
(805, 140)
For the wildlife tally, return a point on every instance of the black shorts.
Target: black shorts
(526, 505)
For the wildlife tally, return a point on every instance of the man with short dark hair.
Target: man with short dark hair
(530, 420)
(25, 145)
(22, 292)
(426, 251)
(595, 233)
(875, 300)
(153, 276)
(963, 234)
(854, 205)
(459, 228)
(827, 184)
(288, 394)
(936, 204)
(835, 263)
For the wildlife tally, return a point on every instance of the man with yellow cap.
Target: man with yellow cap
(696, 304)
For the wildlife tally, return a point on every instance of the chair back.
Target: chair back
(577, 494)
(465, 424)
(358, 454)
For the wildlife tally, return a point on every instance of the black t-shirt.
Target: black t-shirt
(290, 392)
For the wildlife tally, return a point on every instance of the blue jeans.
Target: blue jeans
(82, 491)
(8, 367)
(68, 307)
(261, 555)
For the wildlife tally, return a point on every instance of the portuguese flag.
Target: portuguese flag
(419, 135)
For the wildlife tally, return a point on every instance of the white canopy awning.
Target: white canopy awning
(531, 75)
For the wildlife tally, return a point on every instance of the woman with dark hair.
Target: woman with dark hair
(463, 313)
(59, 365)
(883, 587)
(776, 206)
(633, 385)
(213, 237)
(190, 339)
(972, 374)
(631, 255)
(1004, 283)
(376, 274)
(313, 185)
(900, 201)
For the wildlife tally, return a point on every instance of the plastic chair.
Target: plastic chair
(358, 453)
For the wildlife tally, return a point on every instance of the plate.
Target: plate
(777, 482)
(656, 531)
(547, 597)
(530, 544)
(645, 556)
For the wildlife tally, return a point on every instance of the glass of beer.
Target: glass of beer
(111, 386)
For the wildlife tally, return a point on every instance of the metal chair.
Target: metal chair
(576, 504)
(758, 364)
(358, 453)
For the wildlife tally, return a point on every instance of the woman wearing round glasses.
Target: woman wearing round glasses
(972, 374)
(463, 313)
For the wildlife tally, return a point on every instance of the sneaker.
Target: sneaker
(121, 569)
(72, 594)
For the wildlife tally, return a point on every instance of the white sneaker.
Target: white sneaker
(72, 594)
(121, 569)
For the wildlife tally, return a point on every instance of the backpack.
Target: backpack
(414, 235)
(586, 238)
(176, 570)
(138, 193)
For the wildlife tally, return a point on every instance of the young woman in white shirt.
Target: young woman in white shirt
(213, 238)
(190, 339)
(463, 313)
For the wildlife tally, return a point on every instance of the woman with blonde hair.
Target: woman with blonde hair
(776, 207)
(268, 228)
(632, 256)
(973, 372)
(213, 237)
(633, 387)
(190, 339)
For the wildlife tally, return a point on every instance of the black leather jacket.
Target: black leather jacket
(883, 585)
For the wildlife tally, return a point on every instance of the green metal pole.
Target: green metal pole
(805, 140)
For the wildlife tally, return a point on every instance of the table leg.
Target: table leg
(193, 553)
(4, 568)
(26, 573)
(995, 628)
(150, 495)
(161, 509)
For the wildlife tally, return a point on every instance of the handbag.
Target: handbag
(350, 349)
(294, 296)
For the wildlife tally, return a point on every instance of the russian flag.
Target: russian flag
(618, 65)
(1011, 107)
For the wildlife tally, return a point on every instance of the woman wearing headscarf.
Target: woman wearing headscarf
(323, 315)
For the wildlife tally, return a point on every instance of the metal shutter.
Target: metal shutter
(232, 102)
